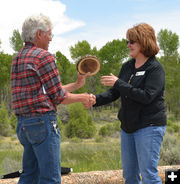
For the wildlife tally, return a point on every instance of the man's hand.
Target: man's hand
(109, 80)
(82, 79)
(88, 100)
(92, 100)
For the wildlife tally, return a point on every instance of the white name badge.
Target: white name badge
(140, 73)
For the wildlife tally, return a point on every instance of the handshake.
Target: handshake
(88, 100)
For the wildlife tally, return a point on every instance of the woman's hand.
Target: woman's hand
(109, 80)
(88, 100)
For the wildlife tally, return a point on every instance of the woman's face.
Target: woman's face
(134, 48)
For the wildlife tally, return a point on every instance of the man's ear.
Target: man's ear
(39, 34)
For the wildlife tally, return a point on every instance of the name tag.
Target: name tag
(140, 73)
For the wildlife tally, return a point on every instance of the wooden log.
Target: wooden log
(97, 177)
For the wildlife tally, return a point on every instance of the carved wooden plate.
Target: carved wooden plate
(88, 64)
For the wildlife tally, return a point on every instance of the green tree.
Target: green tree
(15, 41)
(168, 43)
(5, 127)
(81, 49)
(172, 75)
(5, 70)
(111, 55)
(81, 124)
(66, 69)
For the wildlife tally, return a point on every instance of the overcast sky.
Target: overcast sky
(97, 21)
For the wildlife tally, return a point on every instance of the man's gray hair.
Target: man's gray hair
(32, 24)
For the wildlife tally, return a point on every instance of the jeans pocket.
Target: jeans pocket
(36, 132)
(159, 130)
(19, 133)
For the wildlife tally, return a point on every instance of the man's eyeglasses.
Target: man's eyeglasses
(51, 35)
(130, 42)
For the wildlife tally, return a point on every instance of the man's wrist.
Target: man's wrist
(77, 85)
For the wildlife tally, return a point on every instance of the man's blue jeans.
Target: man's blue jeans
(140, 154)
(40, 137)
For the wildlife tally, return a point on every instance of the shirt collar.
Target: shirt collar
(29, 44)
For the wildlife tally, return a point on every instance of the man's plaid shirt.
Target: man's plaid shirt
(35, 82)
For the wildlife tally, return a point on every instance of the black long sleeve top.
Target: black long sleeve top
(142, 95)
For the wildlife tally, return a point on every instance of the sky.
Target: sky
(96, 21)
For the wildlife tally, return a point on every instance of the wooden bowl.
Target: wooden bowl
(88, 64)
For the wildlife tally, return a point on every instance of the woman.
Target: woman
(140, 84)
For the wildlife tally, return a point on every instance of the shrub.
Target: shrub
(104, 131)
(110, 129)
(5, 127)
(81, 124)
(99, 139)
(173, 125)
(13, 121)
(170, 150)
(59, 122)
(63, 113)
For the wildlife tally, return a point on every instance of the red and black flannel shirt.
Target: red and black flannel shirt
(35, 82)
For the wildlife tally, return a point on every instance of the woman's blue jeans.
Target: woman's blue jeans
(140, 155)
(40, 137)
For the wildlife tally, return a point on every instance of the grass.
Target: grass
(82, 155)
(93, 154)
(10, 155)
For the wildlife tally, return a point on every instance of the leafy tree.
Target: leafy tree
(66, 69)
(81, 124)
(172, 96)
(81, 49)
(112, 55)
(5, 127)
(15, 41)
(168, 43)
(5, 68)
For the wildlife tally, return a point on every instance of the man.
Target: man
(36, 92)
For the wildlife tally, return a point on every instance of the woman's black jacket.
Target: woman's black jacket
(142, 95)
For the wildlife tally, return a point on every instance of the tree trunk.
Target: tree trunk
(98, 177)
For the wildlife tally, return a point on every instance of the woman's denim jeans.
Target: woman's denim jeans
(40, 137)
(140, 154)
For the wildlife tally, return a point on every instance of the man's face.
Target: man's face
(43, 39)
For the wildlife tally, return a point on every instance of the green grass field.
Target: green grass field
(81, 155)
(98, 153)
(91, 156)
